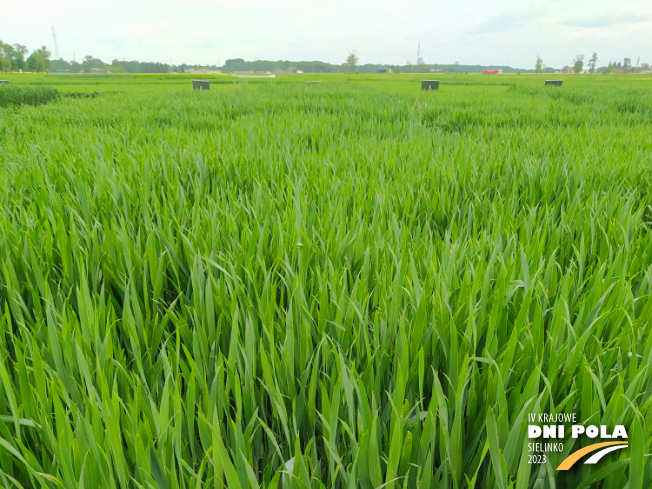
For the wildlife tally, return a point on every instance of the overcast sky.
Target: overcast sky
(382, 31)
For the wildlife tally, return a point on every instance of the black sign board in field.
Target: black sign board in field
(554, 83)
(4, 81)
(429, 84)
(201, 85)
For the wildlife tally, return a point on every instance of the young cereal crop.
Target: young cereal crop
(16, 95)
(345, 285)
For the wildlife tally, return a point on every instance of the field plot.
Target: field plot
(348, 284)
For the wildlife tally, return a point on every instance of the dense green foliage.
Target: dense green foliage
(11, 95)
(342, 285)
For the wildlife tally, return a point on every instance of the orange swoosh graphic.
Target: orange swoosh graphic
(575, 456)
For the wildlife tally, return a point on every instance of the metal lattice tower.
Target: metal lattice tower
(56, 45)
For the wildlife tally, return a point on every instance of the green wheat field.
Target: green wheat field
(352, 284)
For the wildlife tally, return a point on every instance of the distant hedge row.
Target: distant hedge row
(26, 95)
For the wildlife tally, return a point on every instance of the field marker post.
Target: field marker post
(201, 85)
(429, 84)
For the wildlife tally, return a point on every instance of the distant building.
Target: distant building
(290, 71)
(383, 71)
(492, 72)
(203, 72)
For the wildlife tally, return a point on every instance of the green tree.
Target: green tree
(5, 62)
(627, 65)
(352, 62)
(592, 62)
(578, 63)
(19, 53)
(421, 65)
(319, 67)
(91, 63)
(36, 63)
(237, 64)
(43, 51)
(39, 60)
(12, 57)
(59, 65)
(538, 66)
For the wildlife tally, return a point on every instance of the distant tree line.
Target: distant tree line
(14, 57)
(624, 66)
